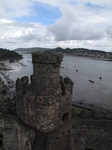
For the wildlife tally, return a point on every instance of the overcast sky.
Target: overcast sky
(56, 23)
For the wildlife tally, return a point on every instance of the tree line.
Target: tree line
(78, 50)
(5, 54)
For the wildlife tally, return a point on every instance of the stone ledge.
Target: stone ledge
(47, 57)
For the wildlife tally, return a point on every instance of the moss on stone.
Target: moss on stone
(47, 57)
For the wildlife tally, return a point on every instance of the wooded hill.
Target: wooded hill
(8, 54)
(77, 50)
(59, 49)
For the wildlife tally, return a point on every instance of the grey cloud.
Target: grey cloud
(19, 25)
(26, 38)
(16, 24)
(30, 37)
(13, 33)
(78, 23)
(63, 32)
(109, 31)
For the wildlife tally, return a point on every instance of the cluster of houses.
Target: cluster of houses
(106, 55)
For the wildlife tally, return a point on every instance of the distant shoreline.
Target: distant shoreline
(15, 58)
(94, 58)
(5, 67)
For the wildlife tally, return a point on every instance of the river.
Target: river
(80, 70)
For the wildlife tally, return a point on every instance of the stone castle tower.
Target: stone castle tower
(46, 102)
(43, 119)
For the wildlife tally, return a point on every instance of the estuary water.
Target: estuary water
(80, 70)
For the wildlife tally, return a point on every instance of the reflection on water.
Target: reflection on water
(99, 91)
(80, 70)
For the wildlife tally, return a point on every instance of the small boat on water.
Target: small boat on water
(61, 67)
(76, 70)
(81, 101)
(100, 78)
(92, 81)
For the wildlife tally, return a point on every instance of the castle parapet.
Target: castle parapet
(47, 58)
(46, 102)
(1, 85)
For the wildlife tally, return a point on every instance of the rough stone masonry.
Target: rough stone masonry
(46, 102)
(43, 118)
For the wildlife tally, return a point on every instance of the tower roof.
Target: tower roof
(47, 57)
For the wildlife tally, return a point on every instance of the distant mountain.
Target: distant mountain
(58, 49)
(30, 50)
(73, 51)
(77, 50)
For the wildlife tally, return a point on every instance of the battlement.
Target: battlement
(22, 83)
(47, 58)
(1, 84)
(46, 102)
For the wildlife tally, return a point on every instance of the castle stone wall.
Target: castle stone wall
(1, 85)
(92, 134)
(45, 118)
(46, 102)
(13, 135)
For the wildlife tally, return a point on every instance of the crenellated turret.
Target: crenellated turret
(46, 102)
